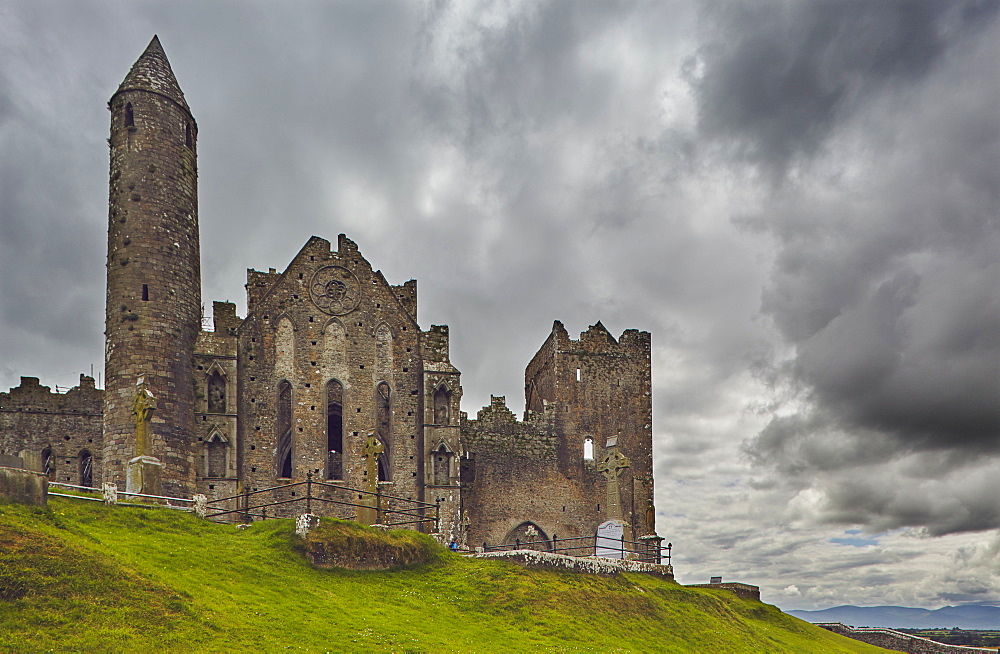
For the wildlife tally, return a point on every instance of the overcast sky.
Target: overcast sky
(800, 201)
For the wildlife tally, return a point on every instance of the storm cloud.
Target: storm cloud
(799, 200)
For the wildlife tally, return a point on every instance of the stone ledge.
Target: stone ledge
(592, 564)
(741, 590)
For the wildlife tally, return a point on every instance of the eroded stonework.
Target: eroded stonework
(329, 377)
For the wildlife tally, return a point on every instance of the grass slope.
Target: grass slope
(81, 577)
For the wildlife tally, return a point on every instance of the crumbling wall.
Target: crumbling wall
(33, 419)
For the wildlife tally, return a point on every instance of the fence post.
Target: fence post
(246, 505)
(378, 504)
(309, 480)
(437, 515)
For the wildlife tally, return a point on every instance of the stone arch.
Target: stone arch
(334, 429)
(442, 405)
(216, 455)
(86, 468)
(283, 430)
(530, 536)
(334, 342)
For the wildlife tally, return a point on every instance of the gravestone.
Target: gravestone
(608, 543)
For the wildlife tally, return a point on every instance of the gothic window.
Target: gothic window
(215, 456)
(48, 463)
(86, 469)
(383, 423)
(129, 116)
(442, 466)
(216, 393)
(588, 449)
(283, 453)
(334, 430)
(442, 406)
(334, 341)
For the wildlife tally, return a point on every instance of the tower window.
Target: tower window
(145, 293)
(129, 116)
(216, 393)
(588, 449)
(188, 136)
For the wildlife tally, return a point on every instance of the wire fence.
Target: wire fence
(384, 509)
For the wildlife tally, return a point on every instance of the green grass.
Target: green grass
(81, 577)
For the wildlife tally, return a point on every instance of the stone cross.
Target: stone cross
(372, 450)
(368, 512)
(142, 408)
(611, 467)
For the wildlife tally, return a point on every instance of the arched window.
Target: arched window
(283, 453)
(588, 449)
(284, 349)
(129, 116)
(86, 469)
(442, 406)
(48, 463)
(383, 422)
(334, 430)
(442, 466)
(216, 393)
(216, 450)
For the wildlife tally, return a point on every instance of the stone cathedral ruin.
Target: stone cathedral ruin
(329, 375)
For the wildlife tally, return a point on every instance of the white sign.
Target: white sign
(608, 543)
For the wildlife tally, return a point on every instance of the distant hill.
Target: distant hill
(967, 616)
(83, 577)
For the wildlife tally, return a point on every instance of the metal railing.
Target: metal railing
(646, 552)
(118, 493)
(389, 510)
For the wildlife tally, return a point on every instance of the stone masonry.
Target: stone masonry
(329, 365)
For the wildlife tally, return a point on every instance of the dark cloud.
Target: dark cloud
(774, 78)
(884, 288)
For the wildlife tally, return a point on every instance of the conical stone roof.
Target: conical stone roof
(151, 72)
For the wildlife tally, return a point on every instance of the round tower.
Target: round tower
(153, 312)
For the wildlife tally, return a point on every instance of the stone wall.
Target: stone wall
(19, 486)
(34, 420)
(899, 641)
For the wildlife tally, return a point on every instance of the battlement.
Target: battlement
(30, 395)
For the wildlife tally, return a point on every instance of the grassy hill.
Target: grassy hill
(81, 577)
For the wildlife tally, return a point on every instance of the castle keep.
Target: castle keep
(328, 367)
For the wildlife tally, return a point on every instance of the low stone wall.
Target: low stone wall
(899, 641)
(591, 564)
(741, 590)
(23, 487)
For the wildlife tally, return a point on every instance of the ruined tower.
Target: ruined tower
(153, 310)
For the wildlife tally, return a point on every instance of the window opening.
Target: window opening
(216, 393)
(216, 455)
(588, 449)
(129, 116)
(48, 463)
(383, 422)
(442, 466)
(188, 137)
(334, 430)
(145, 293)
(442, 406)
(86, 469)
(284, 413)
(577, 374)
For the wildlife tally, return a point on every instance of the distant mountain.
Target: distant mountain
(967, 616)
